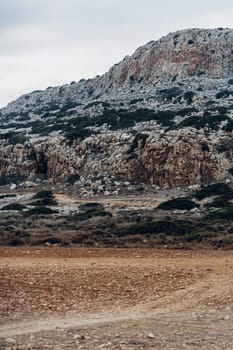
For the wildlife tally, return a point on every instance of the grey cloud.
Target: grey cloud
(46, 42)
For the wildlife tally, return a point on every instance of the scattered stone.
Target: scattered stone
(150, 336)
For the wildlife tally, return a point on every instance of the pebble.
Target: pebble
(227, 318)
(76, 336)
(150, 336)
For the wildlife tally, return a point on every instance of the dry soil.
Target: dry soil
(71, 298)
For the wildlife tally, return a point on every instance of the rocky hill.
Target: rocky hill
(161, 117)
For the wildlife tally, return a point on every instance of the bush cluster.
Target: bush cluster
(178, 203)
(174, 228)
(217, 189)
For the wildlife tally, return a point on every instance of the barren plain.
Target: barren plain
(80, 298)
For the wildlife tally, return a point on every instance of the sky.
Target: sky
(53, 42)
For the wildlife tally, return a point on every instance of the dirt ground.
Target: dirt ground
(72, 298)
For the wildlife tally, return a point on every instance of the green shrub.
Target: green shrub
(73, 178)
(13, 126)
(13, 138)
(178, 203)
(43, 194)
(3, 180)
(14, 206)
(229, 126)
(75, 134)
(16, 242)
(171, 93)
(222, 110)
(85, 215)
(40, 211)
(212, 121)
(173, 228)
(38, 127)
(8, 195)
(216, 189)
(23, 117)
(44, 198)
(188, 96)
(87, 207)
(223, 94)
(44, 201)
(221, 202)
(135, 100)
(190, 42)
(100, 213)
(185, 111)
(224, 214)
(199, 235)
(123, 119)
(68, 105)
(16, 178)
(77, 128)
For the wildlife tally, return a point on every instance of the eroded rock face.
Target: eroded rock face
(187, 53)
(178, 159)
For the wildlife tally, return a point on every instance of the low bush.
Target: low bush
(171, 93)
(223, 94)
(13, 138)
(16, 242)
(79, 128)
(123, 119)
(186, 111)
(73, 178)
(8, 195)
(43, 194)
(14, 206)
(173, 228)
(221, 202)
(87, 207)
(90, 214)
(188, 96)
(44, 202)
(3, 180)
(78, 134)
(200, 235)
(212, 121)
(135, 100)
(229, 126)
(40, 211)
(217, 189)
(100, 213)
(178, 203)
(224, 214)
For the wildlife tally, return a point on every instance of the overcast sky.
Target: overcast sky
(52, 42)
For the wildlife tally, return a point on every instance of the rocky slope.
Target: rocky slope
(161, 117)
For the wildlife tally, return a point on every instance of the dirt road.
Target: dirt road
(70, 298)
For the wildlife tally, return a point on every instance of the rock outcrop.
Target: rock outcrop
(161, 117)
(183, 54)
